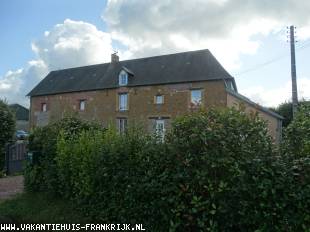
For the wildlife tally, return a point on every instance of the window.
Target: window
(43, 107)
(230, 85)
(160, 129)
(82, 105)
(123, 78)
(123, 101)
(122, 125)
(159, 99)
(196, 96)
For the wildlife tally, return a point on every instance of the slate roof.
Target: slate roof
(21, 113)
(190, 66)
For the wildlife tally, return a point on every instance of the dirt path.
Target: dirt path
(10, 186)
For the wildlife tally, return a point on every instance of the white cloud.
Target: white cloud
(276, 96)
(16, 84)
(70, 44)
(73, 43)
(153, 27)
(226, 27)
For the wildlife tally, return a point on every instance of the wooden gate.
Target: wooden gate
(15, 157)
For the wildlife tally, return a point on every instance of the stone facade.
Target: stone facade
(103, 105)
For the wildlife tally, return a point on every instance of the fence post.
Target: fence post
(7, 159)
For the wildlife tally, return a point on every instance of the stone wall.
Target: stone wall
(102, 105)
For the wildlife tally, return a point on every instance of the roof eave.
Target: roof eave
(255, 105)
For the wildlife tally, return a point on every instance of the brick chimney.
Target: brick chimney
(114, 57)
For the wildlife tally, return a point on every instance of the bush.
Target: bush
(215, 172)
(7, 129)
(296, 139)
(285, 109)
(42, 175)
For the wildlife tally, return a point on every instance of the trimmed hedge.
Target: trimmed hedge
(215, 172)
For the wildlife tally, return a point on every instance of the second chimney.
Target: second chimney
(114, 57)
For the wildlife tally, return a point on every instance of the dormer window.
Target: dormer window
(230, 85)
(123, 78)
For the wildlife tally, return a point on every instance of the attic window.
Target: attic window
(123, 78)
(230, 85)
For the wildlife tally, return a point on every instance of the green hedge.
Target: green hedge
(7, 128)
(215, 172)
(296, 140)
(42, 174)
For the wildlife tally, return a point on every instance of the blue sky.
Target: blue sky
(40, 36)
(25, 21)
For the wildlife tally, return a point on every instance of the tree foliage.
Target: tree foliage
(7, 128)
(42, 174)
(285, 109)
(216, 171)
(296, 139)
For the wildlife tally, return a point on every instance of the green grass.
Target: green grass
(40, 208)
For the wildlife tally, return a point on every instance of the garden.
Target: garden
(217, 170)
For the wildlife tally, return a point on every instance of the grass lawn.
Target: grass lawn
(40, 208)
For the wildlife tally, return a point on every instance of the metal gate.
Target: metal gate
(15, 157)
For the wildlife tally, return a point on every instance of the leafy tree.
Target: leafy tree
(296, 141)
(7, 128)
(285, 110)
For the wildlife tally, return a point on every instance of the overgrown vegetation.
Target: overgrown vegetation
(296, 140)
(42, 176)
(7, 128)
(285, 109)
(217, 171)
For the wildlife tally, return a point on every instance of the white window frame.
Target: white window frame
(161, 97)
(160, 129)
(123, 101)
(82, 105)
(43, 107)
(123, 78)
(193, 101)
(122, 125)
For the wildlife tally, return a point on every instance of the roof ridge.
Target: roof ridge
(199, 65)
(135, 59)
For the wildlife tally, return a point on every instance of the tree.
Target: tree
(285, 110)
(296, 139)
(7, 128)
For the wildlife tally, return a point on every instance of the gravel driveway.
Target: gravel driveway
(10, 186)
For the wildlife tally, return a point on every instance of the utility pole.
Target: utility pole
(293, 71)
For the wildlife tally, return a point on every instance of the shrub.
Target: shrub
(107, 170)
(215, 172)
(285, 109)
(42, 174)
(213, 153)
(7, 129)
(296, 139)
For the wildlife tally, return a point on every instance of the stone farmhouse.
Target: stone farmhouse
(150, 91)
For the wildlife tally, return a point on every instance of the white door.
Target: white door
(160, 129)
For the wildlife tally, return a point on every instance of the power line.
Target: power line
(273, 60)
